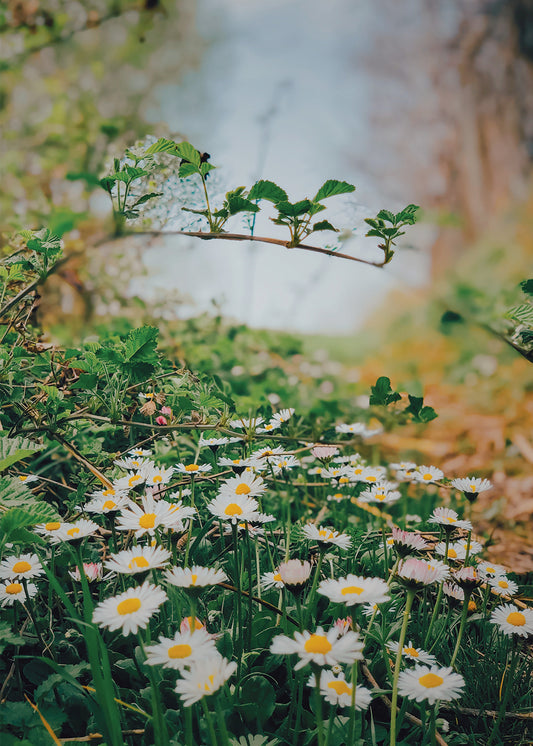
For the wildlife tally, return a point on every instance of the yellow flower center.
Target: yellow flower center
(343, 480)
(452, 553)
(490, 569)
(516, 618)
(317, 644)
(339, 687)
(157, 479)
(23, 477)
(503, 584)
(473, 487)
(21, 567)
(350, 589)
(108, 493)
(338, 496)
(242, 489)
(53, 526)
(430, 680)
(233, 509)
(73, 531)
(371, 479)
(179, 651)
(194, 578)
(450, 519)
(325, 534)
(359, 470)
(411, 651)
(427, 477)
(236, 461)
(380, 496)
(194, 623)
(138, 561)
(129, 606)
(209, 683)
(192, 467)
(278, 578)
(472, 606)
(109, 505)
(147, 520)
(133, 479)
(13, 589)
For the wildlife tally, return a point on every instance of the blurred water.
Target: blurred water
(286, 91)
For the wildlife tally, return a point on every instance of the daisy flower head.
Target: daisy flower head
(324, 453)
(106, 504)
(204, 678)
(181, 650)
(414, 654)
(283, 463)
(407, 542)
(50, 529)
(471, 487)
(326, 536)
(343, 625)
(453, 591)
(239, 464)
(487, 570)
(138, 559)
(431, 683)
(267, 452)
(244, 423)
(25, 566)
(294, 574)
(354, 589)
(147, 517)
(471, 545)
(195, 577)
(12, 591)
(179, 512)
(322, 648)
(269, 427)
(456, 551)
(133, 463)
(503, 587)
(448, 519)
(513, 621)
(372, 475)
(380, 495)
(417, 573)
(157, 475)
(467, 578)
(130, 481)
(403, 466)
(246, 484)
(189, 624)
(234, 508)
(92, 571)
(74, 531)
(272, 580)
(283, 415)
(428, 474)
(338, 497)
(27, 478)
(355, 428)
(140, 452)
(337, 691)
(192, 469)
(213, 443)
(131, 610)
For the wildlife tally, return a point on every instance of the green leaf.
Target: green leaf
(141, 344)
(7, 637)
(14, 493)
(257, 700)
(408, 215)
(420, 412)
(186, 151)
(239, 204)
(90, 179)
(146, 197)
(163, 145)
(15, 518)
(527, 287)
(293, 210)
(522, 313)
(15, 449)
(205, 168)
(107, 183)
(187, 169)
(386, 215)
(268, 190)
(331, 188)
(324, 225)
(382, 392)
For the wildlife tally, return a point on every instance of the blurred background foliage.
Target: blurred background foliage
(75, 91)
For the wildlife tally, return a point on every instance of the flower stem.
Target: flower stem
(188, 726)
(161, 737)
(209, 721)
(461, 627)
(221, 722)
(435, 613)
(237, 638)
(352, 705)
(408, 604)
(312, 592)
(506, 693)
(318, 707)
(31, 612)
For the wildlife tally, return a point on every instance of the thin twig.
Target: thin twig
(488, 713)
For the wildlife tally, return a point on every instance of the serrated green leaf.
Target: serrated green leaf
(522, 313)
(146, 197)
(163, 145)
(324, 225)
(419, 412)
(268, 190)
(386, 215)
(7, 637)
(331, 188)
(189, 153)
(187, 169)
(239, 204)
(382, 392)
(15, 449)
(294, 209)
(16, 518)
(141, 344)
(527, 287)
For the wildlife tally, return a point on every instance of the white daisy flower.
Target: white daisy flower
(487, 570)
(372, 475)
(280, 463)
(188, 624)
(204, 678)
(92, 571)
(239, 464)
(194, 577)
(192, 469)
(109, 492)
(131, 610)
(184, 649)
(407, 542)
(14, 591)
(271, 580)
(416, 573)
(245, 484)
(140, 452)
(354, 589)
(453, 591)
(428, 474)
(146, 518)
(323, 452)
(322, 648)
(103, 505)
(456, 551)
(138, 559)
(214, 442)
(403, 466)
(25, 566)
(246, 424)
(338, 497)
(234, 508)
(130, 481)
(338, 474)
(448, 519)
(413, 654)
(295, 573)
(269, 427)
(431, 683)
(503, 587)
(134, 463)
(326, 536)
(49, 529)
(413, 518)
(356, 428)
(380, 495)
(513, 621)
(475, 546)
(267, 452)
(156, 476)
(471, 487)
(27, 478)
(337, 691)
(283, 415)
(467, 578)
(74, 531)
(179, 513)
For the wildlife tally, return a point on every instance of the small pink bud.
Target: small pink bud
(166, 410)
(161, 420)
